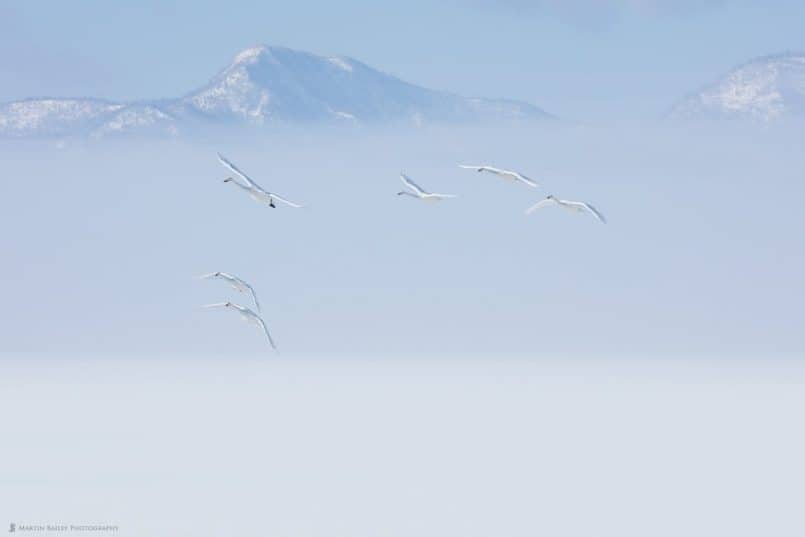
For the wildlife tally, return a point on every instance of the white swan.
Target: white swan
(505, 174)
(575, 206)
(238, 284)
(257, 192)
(248, 316)
(418, 192)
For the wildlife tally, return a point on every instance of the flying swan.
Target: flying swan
(257, 192)
(575, 206)
(418, 192)
(238, 284)
(508, 175)
(248, 316)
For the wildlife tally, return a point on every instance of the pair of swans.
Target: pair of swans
(246, 314)
(419, 192)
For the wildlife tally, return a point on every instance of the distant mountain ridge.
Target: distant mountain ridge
(263, 85)
(766, 89)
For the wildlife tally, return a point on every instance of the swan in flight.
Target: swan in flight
(257, 192)
(418, 192)
(575, 206)
(248, 316)
(238, 284)
(508, 175)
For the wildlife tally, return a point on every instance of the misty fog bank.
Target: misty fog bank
(703, 252)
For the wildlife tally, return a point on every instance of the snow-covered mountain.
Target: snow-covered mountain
(765, 89)
(262, 86)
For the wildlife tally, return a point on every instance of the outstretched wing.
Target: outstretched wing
(234, 169)
(286, 202)
(254, 295)
(228, 277)
(540, 204)
(241, 284)
(407, 181)
(505, 174)
(492, 169)
(592, 210)
(262, 324)
(520, 177)
(482, 168)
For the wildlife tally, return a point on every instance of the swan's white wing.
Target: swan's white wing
(254, 295)
(492, 169)
(286, 202)
(506, 174)
(262, 324)
(484, 168)
(407, 181)
(539, 205)
(228, 277)
(242, 284)
(246, 312)
(223, 160)
(589, 208)
(523, 178)
(443, 196)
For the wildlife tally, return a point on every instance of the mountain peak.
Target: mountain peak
(766, 89)
(251, 54)
(271, 53)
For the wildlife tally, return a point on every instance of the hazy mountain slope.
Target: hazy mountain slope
(264, 85)
(42, 117)
(765, 89)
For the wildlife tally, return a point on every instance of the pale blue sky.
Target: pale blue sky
(581, 59)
